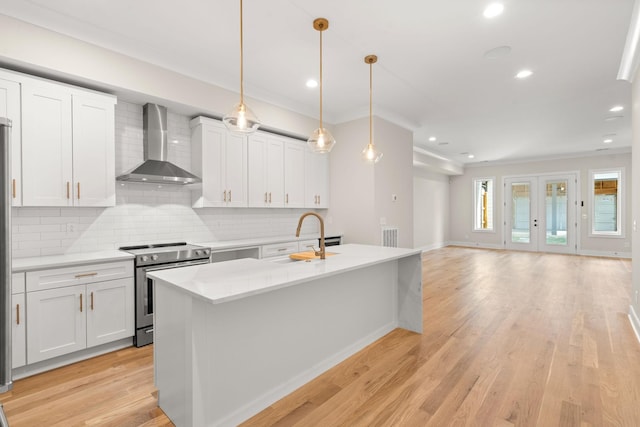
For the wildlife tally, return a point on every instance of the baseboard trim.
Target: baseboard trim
(635, 322)
(626, 255)
(433, 247)
(477, 245)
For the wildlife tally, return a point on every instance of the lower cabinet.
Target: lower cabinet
(18, 331)
(72, 318)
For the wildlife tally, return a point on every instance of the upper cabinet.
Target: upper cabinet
(220, 159)
(10, 108)
(294, 174)
(265, 170)
(68, 145)
(316, 180)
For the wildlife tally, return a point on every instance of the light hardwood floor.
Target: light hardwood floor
(510, 339)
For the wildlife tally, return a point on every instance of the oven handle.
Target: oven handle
(175, 264)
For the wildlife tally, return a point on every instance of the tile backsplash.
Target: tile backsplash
(144, 213)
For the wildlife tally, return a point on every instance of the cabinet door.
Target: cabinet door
(110, 311)
(93, 151)
(57, 322)
(257, 192)
(275, 172)
(316, 180)
(10, 108)
(294, 174)
(207, 160)
(236, 170)
(46, 145)
(18, 331)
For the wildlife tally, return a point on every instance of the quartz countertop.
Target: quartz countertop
(259, 241)
(227, 281)
(67, 260)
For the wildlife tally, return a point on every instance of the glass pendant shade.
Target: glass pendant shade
(370, 154)
(241, 120)
(321, 141)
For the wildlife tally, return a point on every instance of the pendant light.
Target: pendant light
(241, 119)
(321, 140)
(370, 154)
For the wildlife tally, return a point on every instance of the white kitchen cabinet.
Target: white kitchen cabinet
(57, 322)
(265, 171)
(73, 308)
(10, 108)
(18, 321)
(294, 174)
(110, 311)
(68, 140)
(316, 180)
(220, 159)
(278, 249)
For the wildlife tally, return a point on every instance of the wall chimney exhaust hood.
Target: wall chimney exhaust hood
(156, 169)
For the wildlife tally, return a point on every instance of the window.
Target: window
(606, 202)
(483, 204)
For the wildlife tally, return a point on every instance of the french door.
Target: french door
(540, 213)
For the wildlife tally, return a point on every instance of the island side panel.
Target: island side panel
(172, 352)
(263, 347)
(410, 293)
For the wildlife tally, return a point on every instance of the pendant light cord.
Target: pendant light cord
(241, 59)
(320, 79)
(370, 103)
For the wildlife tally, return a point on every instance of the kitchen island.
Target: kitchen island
(231, 338)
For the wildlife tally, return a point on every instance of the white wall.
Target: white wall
(635, 268)
(144, 213)
(462, 200)
(361, 192)
(430, 209)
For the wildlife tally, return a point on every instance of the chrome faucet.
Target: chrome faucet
(321, 252)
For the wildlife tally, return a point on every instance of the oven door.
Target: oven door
(144, 299)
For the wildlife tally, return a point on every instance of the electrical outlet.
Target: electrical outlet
(70, 228)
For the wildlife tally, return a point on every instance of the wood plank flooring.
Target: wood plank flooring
(510, 339)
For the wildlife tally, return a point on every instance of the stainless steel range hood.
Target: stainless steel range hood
(156, 169)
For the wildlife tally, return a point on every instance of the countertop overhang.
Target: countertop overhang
(231, 280)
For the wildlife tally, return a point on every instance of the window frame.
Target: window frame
(620, 203)
(492, 223)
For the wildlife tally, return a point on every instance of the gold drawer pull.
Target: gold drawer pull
(269, 197)
(86, 275)
(80, 303)
(265, 197)
(68, 189)
(229, 195)
(13, 188)
(287, 198)
(17, 314)
(225, 196)
(91, 301)
(78, 191)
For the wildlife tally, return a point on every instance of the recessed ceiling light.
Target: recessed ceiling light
(523, 74)
(471, 156)
(493, 10)
(616, 108)
(311, 83)
(608, 141)
(612, 118)
(432, 138)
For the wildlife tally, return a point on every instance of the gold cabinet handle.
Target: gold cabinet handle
(225, 196)
(265, 197)
(86, 275)
(91, 301)
(318, 199)
(13, 188)
(68, 189)
(17, 314)
(286, 198)
(229, 195)
(269, 197)
(80, 303)
(78, 191)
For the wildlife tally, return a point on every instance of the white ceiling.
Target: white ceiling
(431, 76)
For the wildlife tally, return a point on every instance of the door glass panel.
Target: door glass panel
(556, 212)
(521, 212)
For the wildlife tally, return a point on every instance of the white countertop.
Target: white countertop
(227, 281)
(259, 241)
(66, 260)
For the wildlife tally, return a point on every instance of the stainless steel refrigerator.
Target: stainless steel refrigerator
(5, 261)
